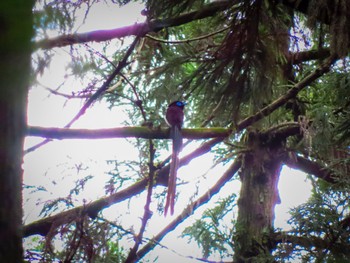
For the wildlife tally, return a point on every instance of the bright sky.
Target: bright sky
(54, 166)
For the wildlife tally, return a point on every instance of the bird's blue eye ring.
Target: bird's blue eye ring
(180, 103)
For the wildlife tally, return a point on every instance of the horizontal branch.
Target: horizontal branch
(303, 241)
(311, 242)
(304, 56)
(141, 29)
(282, 130)
(137, 29)
(43, 226)
(297, 162)
(124, 132)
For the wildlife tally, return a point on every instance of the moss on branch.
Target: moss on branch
(124, 132)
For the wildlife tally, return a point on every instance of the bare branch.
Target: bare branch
(67, 96)
(106, 84)
(97, 94)
(147, 211)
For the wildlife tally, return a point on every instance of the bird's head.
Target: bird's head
(177, 103)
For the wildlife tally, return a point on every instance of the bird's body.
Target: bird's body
(174, 117)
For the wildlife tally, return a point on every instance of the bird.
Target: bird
(174, 117)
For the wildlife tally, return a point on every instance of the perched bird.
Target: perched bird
(174, 118)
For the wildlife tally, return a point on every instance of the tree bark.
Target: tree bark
(16, 33)
(260, 172)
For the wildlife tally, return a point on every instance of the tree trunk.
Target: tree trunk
(258, 197)
(16, 33)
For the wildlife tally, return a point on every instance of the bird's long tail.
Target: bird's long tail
(177, 145)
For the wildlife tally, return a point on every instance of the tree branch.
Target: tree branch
(304, 56)
(282, 130)
(125, 132)
(122, 63)
(306, 242)
(132, 256)
(291, 93)
(43, 226)
(310, 242)
(188, 211)
(187, 40)
(309, 167)
(137, 29)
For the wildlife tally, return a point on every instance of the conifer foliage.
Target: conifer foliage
(266, 84)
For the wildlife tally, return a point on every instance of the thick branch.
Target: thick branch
(138, 29)
(282, 130)
(43, 226)
(303, 56)
(306, 242)
(124, 132)
(309, 167)
(310, 242)
(141, 29)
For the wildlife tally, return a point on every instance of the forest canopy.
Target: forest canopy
(266, 85)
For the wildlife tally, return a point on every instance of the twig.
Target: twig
(188, 211)
(187, 40)
(105, 85)
(213, 113)
(96, 95)
(138, 101)
(132, 257)
(45, 225)
(291, 93)
(67, 96)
